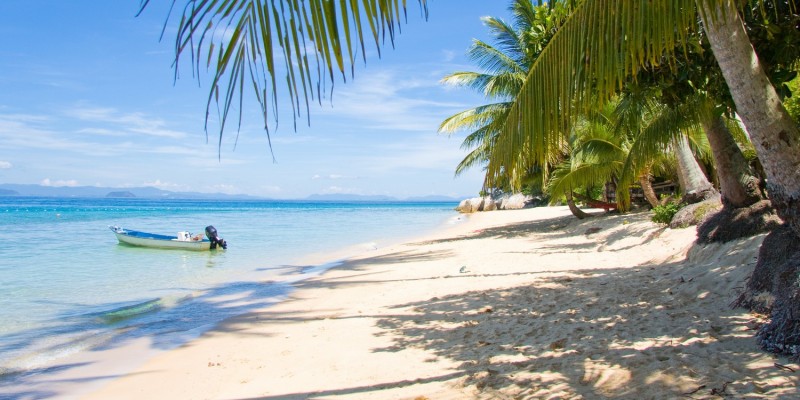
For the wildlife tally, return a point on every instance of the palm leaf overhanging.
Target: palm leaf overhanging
(576, 71)
(248, 42)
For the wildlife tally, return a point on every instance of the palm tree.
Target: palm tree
(773, 132)
(654, 129)
(597, 156)
(695, 86)
(604, 43)
(628, 140)
(504, 68)
(738, 185)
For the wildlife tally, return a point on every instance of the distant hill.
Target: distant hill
(377, 198)
(125, 194)
(9, 189)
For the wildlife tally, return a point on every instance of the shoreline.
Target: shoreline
(521, 304)
(77, 372)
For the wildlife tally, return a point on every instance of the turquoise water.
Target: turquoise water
(66, 285)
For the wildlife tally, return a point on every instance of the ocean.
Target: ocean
(68, 286)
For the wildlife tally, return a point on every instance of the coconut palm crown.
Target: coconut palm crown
(504, 67)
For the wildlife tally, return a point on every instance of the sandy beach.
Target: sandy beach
(526, 304)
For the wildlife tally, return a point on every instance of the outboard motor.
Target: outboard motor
(211, 234)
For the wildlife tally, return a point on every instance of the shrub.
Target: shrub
(663, 214)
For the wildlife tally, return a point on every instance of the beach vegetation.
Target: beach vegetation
(793, 103)
(662, 214)
(590, 60)
(592, 57)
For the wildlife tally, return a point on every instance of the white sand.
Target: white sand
(524, 304)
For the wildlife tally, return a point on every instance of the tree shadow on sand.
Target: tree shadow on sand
(592, 335)
(581, 334)
(515, 230)
(166, 327)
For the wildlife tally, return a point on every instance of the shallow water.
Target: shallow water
(66, 285)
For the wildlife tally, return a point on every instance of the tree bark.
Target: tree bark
(737, 185)
(774, 134)
(573, 208)
(647, 189)
(694, 183)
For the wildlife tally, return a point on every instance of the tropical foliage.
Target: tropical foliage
(291, 46)
(663, 214)
(598, 49)
(504, 67)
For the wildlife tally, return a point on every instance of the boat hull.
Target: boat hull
(143, 239)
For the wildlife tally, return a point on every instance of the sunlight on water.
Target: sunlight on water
(63, 274)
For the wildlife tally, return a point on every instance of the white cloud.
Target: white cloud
(5, 165)
(58, 183)
(101, 132)
(330, 177)
(19, 131)
(391, 100)
(165, 185)
(137, 123)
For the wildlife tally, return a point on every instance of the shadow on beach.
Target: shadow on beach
(165, 328)
(649, 331)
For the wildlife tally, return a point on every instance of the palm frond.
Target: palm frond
(570, 175)
(493, 86)
(243, 40)
(474, 117)
(492, 59)
(473, 159)
(474, 80)
(506, 38)
(589, 58)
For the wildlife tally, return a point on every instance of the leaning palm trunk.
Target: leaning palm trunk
(774, 134)
(694, 183)
(737, 185)
(647, 189)
(574, 208)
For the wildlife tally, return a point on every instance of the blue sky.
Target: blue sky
(87, 98)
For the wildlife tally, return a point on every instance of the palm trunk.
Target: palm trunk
(573, 208)
(694, 183)
(774, 134)
(647, 189)
(737, 185)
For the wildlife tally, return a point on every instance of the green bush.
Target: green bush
(663, 214)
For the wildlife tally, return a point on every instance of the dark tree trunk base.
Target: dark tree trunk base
(773, 289)
(787, 205)
(734, 223)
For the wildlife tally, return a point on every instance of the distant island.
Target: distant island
(9, 189)
(116, 195)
